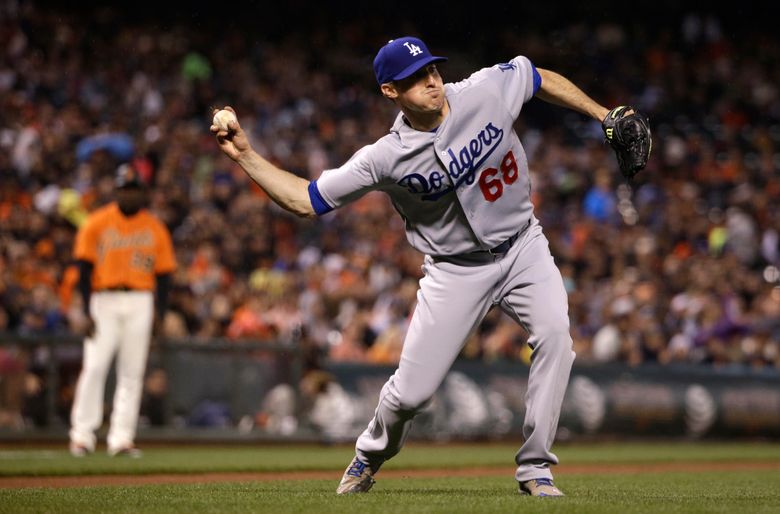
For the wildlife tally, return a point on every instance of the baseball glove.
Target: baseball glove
(629, 136)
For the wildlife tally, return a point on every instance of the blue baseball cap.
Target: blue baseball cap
(401, 58)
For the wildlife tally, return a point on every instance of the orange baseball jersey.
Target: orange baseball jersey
(125, 252)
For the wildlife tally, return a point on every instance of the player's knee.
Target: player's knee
(95, 369)
(406, 400)
(555, 337)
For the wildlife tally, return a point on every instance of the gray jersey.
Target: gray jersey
(461, 188)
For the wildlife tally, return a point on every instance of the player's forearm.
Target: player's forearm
(559, 90)
(289, 191)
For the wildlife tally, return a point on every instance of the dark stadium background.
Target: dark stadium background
(473, 35)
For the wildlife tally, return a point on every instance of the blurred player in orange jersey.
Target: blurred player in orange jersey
(124, 255)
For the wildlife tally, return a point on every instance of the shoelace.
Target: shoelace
(544, 481)
(356, 469)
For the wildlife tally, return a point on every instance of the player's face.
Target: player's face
(131, 199)
(422, 92)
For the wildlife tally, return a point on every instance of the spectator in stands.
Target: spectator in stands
(706, 206)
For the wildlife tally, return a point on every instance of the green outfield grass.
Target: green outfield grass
(587, 492)
(57, 461)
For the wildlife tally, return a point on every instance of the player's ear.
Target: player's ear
(389, 91)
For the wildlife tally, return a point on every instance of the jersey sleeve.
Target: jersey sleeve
(517, 81)
(165, 259)
(85, 248)
(339, 186)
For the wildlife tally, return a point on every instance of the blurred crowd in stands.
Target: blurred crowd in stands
(679, 266)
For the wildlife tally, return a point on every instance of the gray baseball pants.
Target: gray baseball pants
(455, 294)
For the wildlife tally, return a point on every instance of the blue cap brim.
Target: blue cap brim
(410, 70)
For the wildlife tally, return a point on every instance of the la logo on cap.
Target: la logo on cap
(413, 49)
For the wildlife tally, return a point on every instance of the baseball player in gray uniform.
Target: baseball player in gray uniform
(457, 174)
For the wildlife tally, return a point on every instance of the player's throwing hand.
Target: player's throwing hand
(233, 141)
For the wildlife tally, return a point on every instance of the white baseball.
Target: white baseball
(223, 117)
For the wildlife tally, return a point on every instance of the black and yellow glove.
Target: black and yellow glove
(630, 138)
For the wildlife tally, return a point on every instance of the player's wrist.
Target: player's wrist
(601, 114)
(245, 158)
